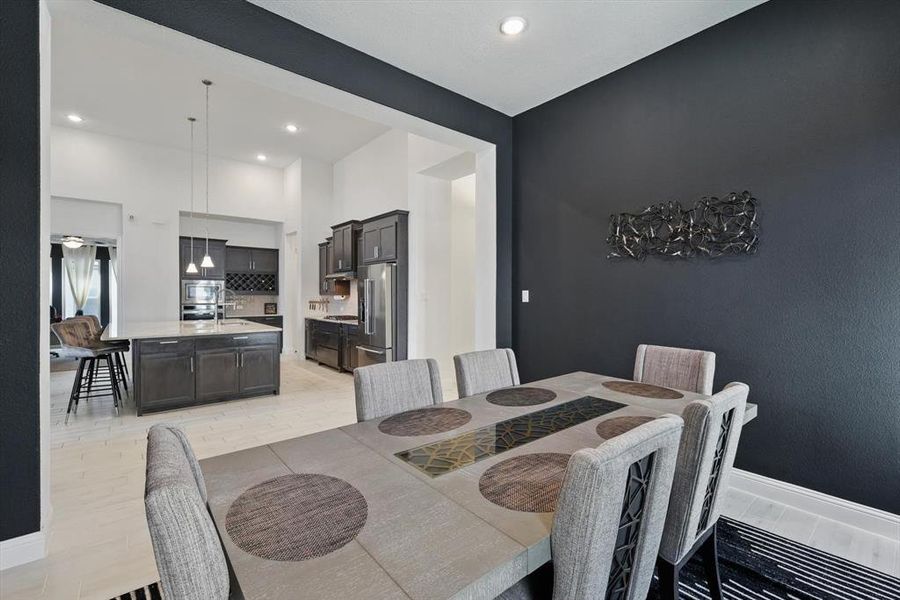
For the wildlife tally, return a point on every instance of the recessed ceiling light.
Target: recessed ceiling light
(291, 128)
(261, 157)
(74, 118)
(512, 25)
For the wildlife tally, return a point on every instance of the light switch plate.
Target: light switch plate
(524, 295)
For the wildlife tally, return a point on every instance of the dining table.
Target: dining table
(450, 501)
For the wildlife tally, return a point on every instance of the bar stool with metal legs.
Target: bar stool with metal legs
(96, 374)
(122, 346)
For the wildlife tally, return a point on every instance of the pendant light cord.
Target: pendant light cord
(206, 219)
(192, 119)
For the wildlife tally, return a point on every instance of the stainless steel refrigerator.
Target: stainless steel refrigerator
(377, 296)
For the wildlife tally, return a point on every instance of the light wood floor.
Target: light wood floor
(99, 545)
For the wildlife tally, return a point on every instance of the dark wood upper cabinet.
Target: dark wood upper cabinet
(345, 258)
(216, 253)
(380, 237)
(323, 268)
(237, 259)
(264, 260)
(240, 259)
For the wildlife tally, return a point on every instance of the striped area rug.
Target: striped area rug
(756, 565)
(148, 592)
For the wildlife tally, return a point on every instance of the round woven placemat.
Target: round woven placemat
(523, 396)
(425, 421)
(610, 428)
(643, 389)
(296, 517)
(527, 483)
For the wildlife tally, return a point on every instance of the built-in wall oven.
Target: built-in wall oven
(201, 299)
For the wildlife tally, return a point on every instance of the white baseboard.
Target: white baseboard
(23, 549)
(864, 517)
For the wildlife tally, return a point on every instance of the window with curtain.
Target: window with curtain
(92, 305)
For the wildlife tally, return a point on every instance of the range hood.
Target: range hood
(345, 276)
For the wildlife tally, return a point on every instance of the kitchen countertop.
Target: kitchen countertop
(171, 329)
(322, 318)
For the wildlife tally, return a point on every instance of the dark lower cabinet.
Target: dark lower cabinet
(332, 343)
(184, 372)
(218, 374)
(259, 372)
(272, 320)
(167, 381)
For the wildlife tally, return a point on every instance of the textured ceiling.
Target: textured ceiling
(456, 44)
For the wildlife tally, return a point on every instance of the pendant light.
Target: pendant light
(192, 268)
(207, 262)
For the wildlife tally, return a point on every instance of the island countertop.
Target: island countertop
(177, 329)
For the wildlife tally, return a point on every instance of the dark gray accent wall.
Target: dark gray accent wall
(20, 251)
(798, 102)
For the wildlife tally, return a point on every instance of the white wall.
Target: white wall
(462, 265)
(70, 216)
(235, 232)
(152, 185)
(371, 180)
(318, 215)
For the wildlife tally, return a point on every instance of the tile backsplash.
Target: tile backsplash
(251, 306)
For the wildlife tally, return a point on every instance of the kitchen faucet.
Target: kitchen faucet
(221, 299)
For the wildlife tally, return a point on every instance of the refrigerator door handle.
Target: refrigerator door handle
(369, 324)
(370, 350)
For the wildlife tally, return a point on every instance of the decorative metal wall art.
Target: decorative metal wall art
(714, 227)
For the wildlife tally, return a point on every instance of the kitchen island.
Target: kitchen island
(178, 364)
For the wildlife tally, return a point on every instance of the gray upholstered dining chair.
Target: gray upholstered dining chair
(394, 387)
(188, 551)
(712, 429)
(609, 518)
(679, 368)
(485, 371)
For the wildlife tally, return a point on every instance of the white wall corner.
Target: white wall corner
(872, 520)
(23, 549)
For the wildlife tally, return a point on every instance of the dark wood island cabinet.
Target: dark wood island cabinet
(182, 363)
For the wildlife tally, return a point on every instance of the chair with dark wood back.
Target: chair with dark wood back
(712, 429)
(609, 518)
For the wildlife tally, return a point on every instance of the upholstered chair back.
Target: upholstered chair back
(394, 387)
(679, 368)
(485, 371)
(93, 324)
(611, 513)
(712, 429)
(189, 555)
(73, 333)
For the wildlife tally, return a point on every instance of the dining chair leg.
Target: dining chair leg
(76, 389)
(113, 381)
(668, 580)
(709, 553)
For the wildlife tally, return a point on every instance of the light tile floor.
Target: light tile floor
(98, 540)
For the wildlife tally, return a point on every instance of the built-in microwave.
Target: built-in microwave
(201, 291)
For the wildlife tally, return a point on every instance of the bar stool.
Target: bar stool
(96, 374)
(122, 346)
